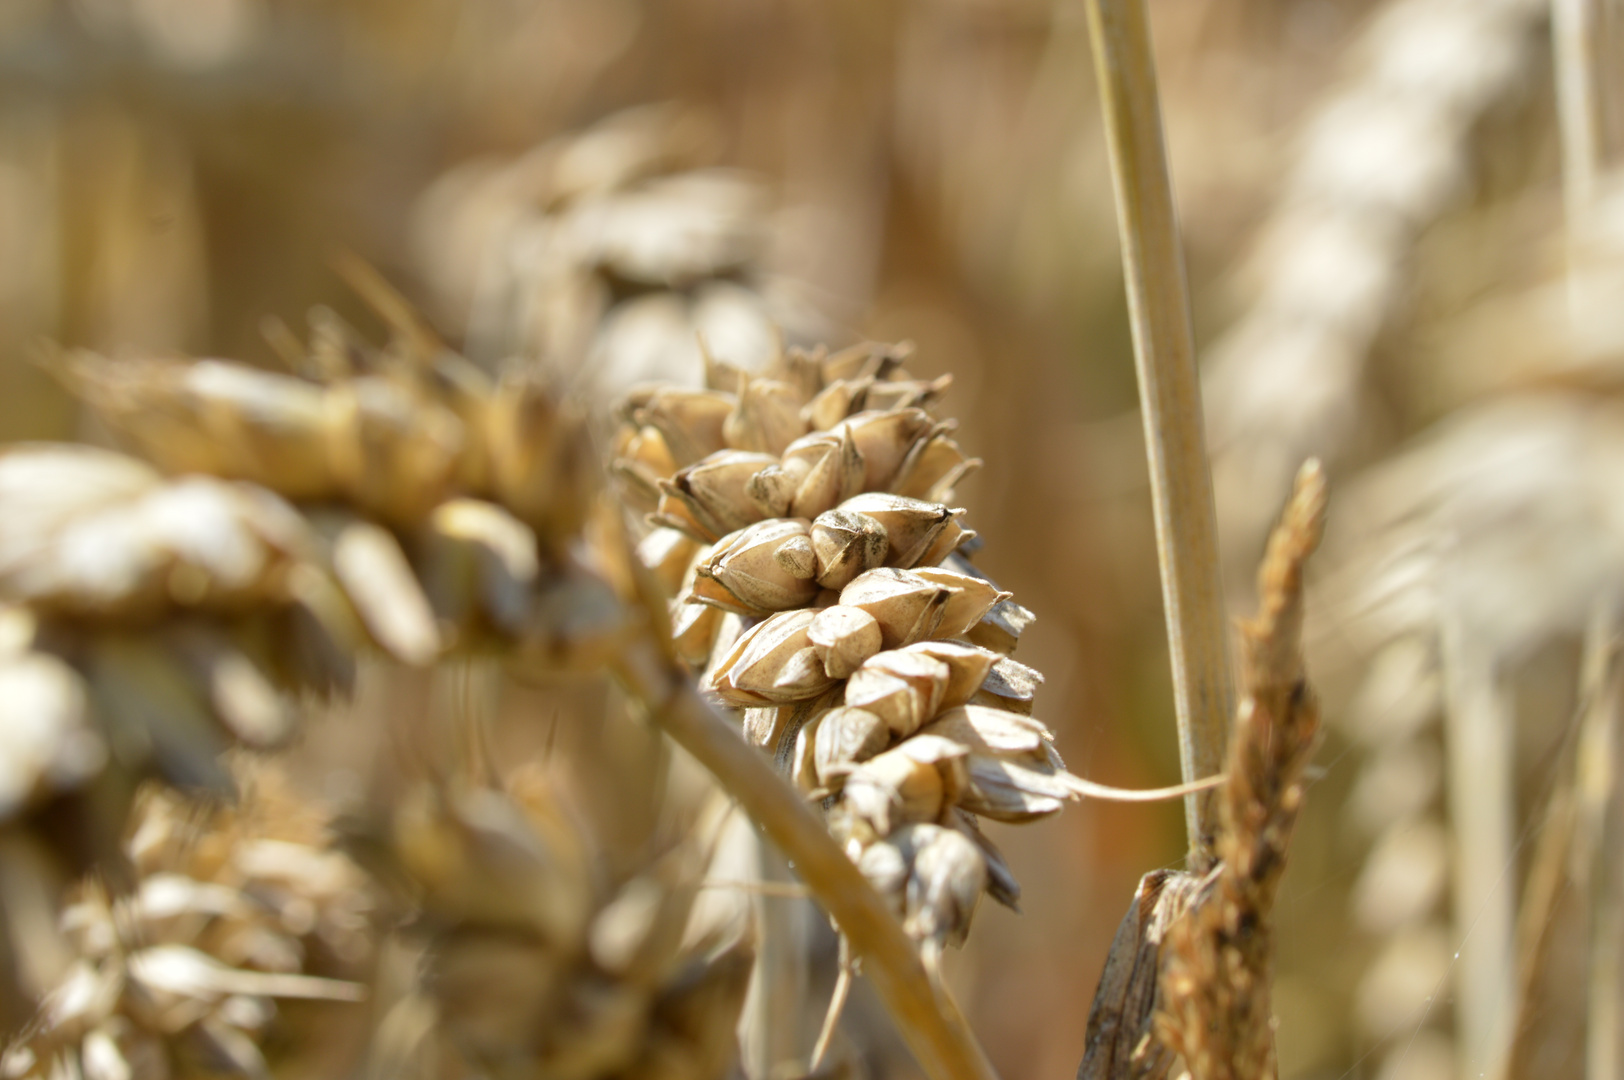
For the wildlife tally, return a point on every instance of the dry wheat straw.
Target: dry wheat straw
(1577, 42)
(1571, 839)
(1170, 397)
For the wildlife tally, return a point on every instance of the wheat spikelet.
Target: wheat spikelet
(440, 512)
(1218, 961)
(231, 910)
(602, 253)
(392, 500)
(383, 457)
(1190, 971)
(152, 622)
(800, 518)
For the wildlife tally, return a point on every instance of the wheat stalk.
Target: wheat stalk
(1170, 396)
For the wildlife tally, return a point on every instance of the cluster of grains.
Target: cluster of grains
(801, 519)
(606, 251)
(397, 500)
(542, 958)
(232, 911)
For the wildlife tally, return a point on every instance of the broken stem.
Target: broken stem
(1170, 397)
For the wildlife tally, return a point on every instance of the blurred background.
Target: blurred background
(1400, 261)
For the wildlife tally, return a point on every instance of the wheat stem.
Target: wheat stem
(1594, 862)
(1576, 39)
(944, 1046)
(837, 1005)
(1576, 35)
(1170, 393)
(1479, 726)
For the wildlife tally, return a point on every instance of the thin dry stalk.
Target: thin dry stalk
(837, 1005)
(1170, 392)
(1215, 983)
(1597, 835)
(1576, 39)
(944, 1046)
(1565, 851)
(1479, 733)
(1547, 880)
(775, 1017)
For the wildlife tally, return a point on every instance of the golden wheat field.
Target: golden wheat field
(951, 539)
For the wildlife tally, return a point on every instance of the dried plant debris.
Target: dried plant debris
(235, 913)
(605, 252)
(539, 962)
(1121, 1042)
(803, 517)
(1212, 933)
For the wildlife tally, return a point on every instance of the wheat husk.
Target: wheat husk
(871, 659)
